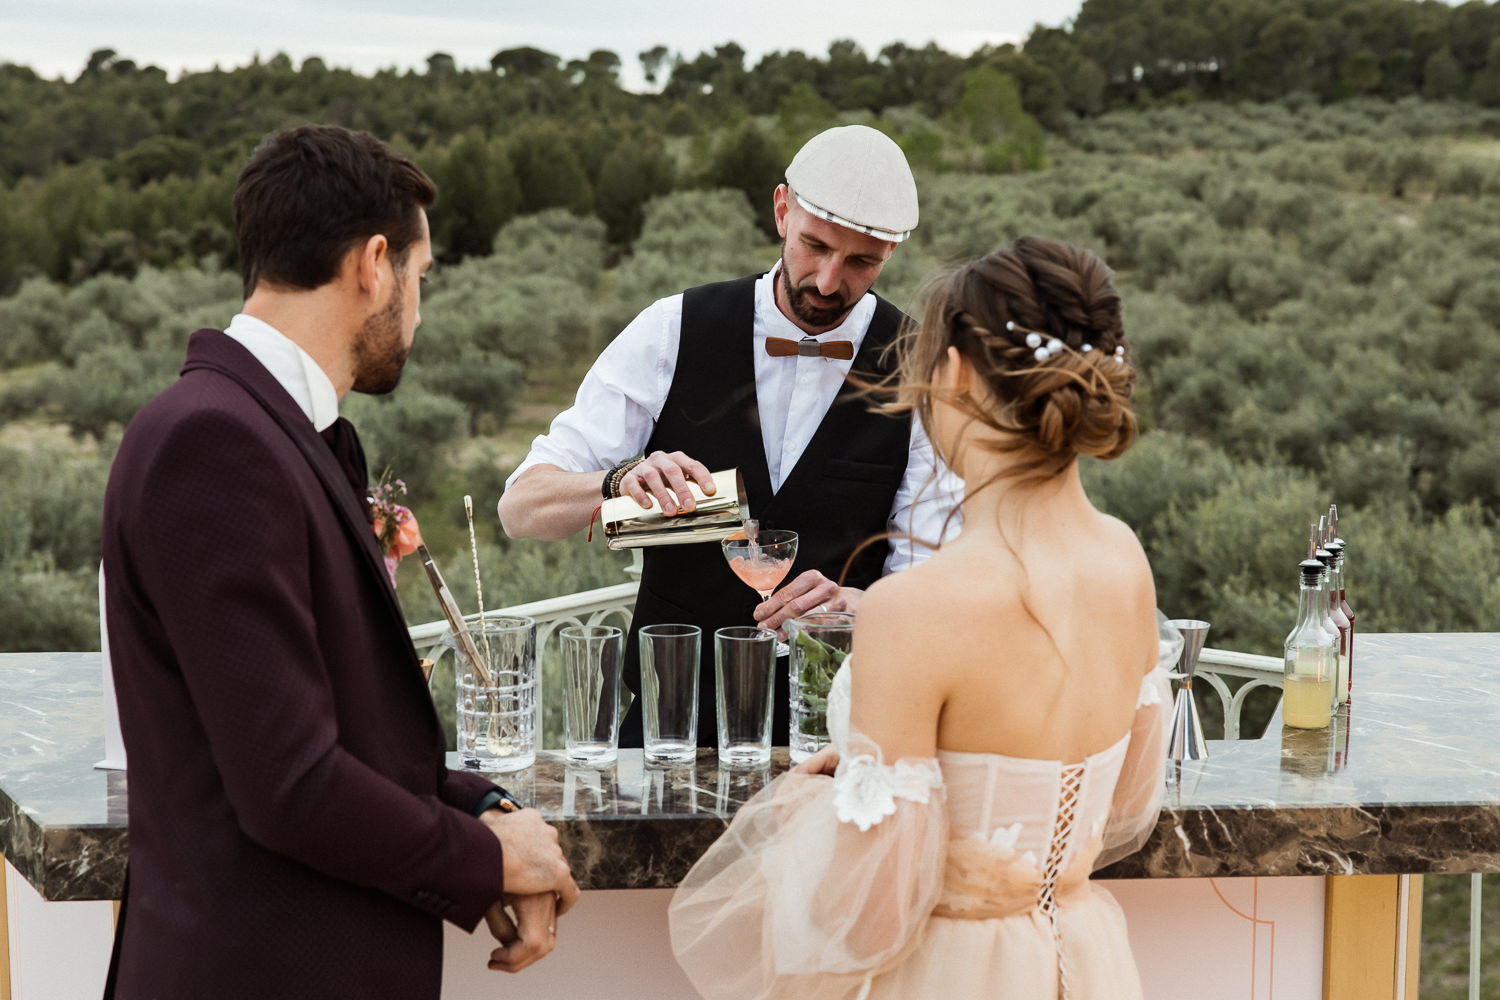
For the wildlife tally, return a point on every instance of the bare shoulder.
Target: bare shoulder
(893, 615)
(908, 618)
(1122, 536)
(1121, 552)
(895, 599)
(900, 679)
(1133, 579)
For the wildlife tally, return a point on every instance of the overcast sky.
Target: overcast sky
(55, 37)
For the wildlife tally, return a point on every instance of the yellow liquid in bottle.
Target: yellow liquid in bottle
(1306, 702)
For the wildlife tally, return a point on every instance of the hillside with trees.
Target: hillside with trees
(1302, 201)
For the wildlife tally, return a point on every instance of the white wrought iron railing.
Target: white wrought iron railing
(1217, 666)
(587, 607)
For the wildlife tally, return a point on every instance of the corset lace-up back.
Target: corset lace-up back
(1072, 781)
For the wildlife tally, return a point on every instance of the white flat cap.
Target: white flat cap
(857, 177)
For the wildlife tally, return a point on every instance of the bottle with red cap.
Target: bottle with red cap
(1340, 550)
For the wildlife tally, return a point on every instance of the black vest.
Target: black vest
(837, 495)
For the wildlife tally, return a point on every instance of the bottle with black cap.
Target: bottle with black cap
(1310, 653)
(1340, 550)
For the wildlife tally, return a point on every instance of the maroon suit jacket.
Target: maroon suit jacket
(293, 829)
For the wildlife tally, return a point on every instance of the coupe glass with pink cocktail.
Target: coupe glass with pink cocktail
(762, 562)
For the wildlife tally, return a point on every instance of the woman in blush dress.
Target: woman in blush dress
(999, 729)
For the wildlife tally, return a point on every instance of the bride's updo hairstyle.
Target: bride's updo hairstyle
(1040, 322)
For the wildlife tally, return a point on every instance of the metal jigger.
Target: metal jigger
(1186, 742)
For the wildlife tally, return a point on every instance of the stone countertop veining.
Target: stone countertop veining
(1410, 782)
(1407, 781)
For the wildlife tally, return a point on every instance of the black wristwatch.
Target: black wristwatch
(497, 798)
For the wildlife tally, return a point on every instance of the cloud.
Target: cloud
(56, 37)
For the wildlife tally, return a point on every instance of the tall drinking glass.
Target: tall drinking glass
(592, 656)
(669, 688)
(496, 722)
(820, 642)
(745, 676)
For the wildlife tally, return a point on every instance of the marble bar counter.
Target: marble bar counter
(1408, 782)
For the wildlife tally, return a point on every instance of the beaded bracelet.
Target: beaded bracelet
(616, 473)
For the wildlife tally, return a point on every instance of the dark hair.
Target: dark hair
(311, 193)
(1076, 400)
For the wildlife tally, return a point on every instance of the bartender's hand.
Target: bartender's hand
(528, 936)
(534, 862)
(810, 591)
(663, 477)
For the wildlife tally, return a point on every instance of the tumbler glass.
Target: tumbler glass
(669, 688)
(592, 656)
(497, 722)
(745, 677)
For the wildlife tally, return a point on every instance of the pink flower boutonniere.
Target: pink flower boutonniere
(396, 530)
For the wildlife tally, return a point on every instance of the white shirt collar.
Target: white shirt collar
(303, 379)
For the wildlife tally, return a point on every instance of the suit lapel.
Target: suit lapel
(223, 354)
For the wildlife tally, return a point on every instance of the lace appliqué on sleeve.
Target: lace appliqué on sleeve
(865, 790)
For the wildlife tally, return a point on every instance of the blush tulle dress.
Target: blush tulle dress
(962, 876)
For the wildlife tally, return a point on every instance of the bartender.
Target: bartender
(753, 374)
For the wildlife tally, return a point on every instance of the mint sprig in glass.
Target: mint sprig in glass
(820, 643)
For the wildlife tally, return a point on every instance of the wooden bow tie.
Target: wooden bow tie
(808, 347)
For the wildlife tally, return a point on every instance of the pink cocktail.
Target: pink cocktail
(764, 562)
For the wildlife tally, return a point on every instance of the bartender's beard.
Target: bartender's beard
(802, 307)
(379, 350)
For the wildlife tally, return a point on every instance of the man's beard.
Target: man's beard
(379, 354)
(797, 298)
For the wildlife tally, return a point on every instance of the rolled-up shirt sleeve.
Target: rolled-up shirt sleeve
(929, 493)
(619, 399)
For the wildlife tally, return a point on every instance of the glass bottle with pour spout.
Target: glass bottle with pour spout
(1340, 550)
(1329, 558)
(1310, 653)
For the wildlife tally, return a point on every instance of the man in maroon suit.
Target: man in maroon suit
(293, 829)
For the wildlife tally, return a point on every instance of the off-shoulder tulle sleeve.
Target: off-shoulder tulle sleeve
(1138, 794)
(819, 883)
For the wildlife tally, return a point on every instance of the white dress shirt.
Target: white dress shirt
(302, 377)
(622, 396)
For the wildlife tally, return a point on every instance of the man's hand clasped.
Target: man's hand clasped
(525, 926)
(539, 889)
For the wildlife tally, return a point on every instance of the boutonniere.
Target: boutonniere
(396, 530)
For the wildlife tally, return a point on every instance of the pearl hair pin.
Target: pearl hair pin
(1034, 341)
(1044, 348)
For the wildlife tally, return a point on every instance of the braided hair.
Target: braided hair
(1040, 323)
